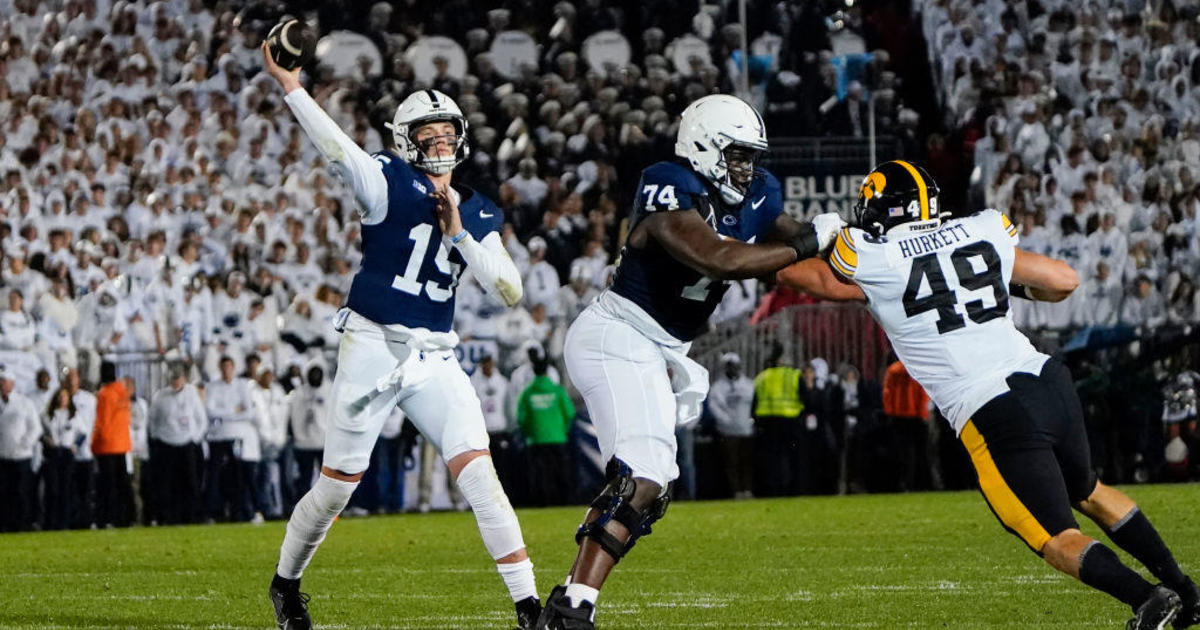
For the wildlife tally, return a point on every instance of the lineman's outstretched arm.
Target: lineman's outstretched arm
(690, 240)
(356, 167)
(1037, 277)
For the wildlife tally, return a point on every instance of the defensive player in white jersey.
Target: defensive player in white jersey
(940, 288)
(397, 348)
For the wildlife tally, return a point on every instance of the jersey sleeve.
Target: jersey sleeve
(667, 187)
(1006, 226)
(483, 219)
(772, 202)
(844, 255)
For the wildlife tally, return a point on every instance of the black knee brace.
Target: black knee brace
(615, 504)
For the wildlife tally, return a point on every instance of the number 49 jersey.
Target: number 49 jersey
(942, 298)
(677, 297)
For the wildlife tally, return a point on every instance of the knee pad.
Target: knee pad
(615, 503)
(497, 522)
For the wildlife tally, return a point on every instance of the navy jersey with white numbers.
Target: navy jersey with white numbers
(407, 276)
(678, 297)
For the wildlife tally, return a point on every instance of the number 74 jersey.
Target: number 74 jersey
(942, 298)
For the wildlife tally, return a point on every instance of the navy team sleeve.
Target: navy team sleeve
(666, 187)
(772, 203)
(487, 219)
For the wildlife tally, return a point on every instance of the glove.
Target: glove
(827, 226)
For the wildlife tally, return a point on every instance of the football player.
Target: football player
(419, 232)
(940, 288)
(698, 222)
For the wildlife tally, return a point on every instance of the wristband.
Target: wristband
(458, 238)
(1020, 291)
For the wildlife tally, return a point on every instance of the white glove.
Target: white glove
(827, 226)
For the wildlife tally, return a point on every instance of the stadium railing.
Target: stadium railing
(839, 333)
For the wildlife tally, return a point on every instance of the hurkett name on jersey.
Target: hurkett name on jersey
(925, 243)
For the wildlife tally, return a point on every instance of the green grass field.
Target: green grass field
(898, 561)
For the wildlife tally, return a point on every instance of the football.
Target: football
(292, 44)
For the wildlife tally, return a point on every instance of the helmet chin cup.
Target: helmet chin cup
(730, 194)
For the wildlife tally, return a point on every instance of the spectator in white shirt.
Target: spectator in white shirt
(271, 404)
(176, 424)
(541, 281)
(1102, 293)
(1144, 307)
(83, 508)
(308, 415)
(231, 432)
(61, 428)
(20, 430)
(729, 402)
(1109, 243)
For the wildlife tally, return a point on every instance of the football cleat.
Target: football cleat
(1189, 615)
(1157, 612)
(291, 607)
(528, 611)
(560, 615)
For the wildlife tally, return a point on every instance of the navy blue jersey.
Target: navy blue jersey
(678, 297)
(407, 277)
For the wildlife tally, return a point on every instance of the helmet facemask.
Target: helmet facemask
(436, 152)
(738, 162)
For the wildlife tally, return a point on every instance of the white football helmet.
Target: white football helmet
(713, 124)
(420, 108)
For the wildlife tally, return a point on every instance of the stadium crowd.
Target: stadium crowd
(1083, 120)
(158, 200)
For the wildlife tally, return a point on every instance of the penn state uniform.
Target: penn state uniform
(407, 276)
(645, 322)
(676, 296)
(942, 297)
(404, 292)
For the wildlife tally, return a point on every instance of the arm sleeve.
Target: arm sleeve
(492, 266)
(357, 168)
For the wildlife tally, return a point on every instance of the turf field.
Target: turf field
(897, 561)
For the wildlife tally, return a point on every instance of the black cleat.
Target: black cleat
(291, 606)
(1157, 612)
(560, 615)
(528, 611)
(1189, 615)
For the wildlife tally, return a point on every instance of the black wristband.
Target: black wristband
(805, 242)
(1020, 291)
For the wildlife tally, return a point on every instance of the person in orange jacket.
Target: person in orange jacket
(111, 443)
(906, 405)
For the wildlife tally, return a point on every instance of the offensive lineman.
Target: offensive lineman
(397, 348)
(693, 226)
(940, 289)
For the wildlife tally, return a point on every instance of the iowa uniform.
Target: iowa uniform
(941, 290)
(644, 323)
(942, 298)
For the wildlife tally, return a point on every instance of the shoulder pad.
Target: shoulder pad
(672, 173)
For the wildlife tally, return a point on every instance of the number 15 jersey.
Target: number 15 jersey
(942, 298)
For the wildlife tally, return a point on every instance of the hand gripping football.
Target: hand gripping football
(292, 44)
